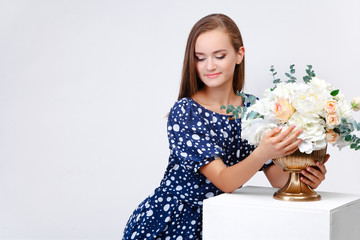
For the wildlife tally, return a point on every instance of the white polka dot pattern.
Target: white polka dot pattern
(197, 136)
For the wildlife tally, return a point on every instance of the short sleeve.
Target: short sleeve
(190, 136)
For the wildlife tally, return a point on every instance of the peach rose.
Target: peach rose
(332, 119)
(283, 110)
(330, 106)
(331, 136)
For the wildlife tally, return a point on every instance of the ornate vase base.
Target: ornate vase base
(296, 190)
(297, 197)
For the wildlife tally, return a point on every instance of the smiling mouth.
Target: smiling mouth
(212, 75)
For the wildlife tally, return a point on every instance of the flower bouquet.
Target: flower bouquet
(314, 106)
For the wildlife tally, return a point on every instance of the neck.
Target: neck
(218, 96)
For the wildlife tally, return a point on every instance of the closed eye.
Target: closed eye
(200, 59)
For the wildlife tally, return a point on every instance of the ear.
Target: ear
(240, 55)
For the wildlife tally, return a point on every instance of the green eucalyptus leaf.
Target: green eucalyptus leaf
(348, 138)
(306, 79)
(236, 115)
(252, 99)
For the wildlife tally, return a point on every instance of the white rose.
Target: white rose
(254, 130)
(355, 104)
(344, 110)
(288, 90)
(306, 146)
(321, 84)
(262, 106)
(340, 96)
(311, 124)
(320, 144)
(310, 101)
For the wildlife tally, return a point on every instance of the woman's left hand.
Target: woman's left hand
(312, 176)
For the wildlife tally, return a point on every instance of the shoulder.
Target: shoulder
(181, 108)
(187, 111)
(183, 102)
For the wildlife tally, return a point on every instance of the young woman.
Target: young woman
(207, 155)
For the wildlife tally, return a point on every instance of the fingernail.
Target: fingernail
(308, 169)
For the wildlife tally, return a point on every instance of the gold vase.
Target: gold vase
(295, 189)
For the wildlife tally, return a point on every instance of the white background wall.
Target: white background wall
(85, 87)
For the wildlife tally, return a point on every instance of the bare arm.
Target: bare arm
(273, 144)
(230, 178)
(276, 176)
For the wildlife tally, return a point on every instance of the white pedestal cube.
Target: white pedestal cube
(252, 213)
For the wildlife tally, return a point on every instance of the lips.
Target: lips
(212, 75)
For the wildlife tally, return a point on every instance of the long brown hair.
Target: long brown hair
(190, 81)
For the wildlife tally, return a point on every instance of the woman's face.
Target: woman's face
(216, 58)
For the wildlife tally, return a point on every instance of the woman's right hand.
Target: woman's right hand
(275, 143)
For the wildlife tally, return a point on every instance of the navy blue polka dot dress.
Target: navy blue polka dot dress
(196, 137)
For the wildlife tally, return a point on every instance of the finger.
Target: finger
(313, 175)
(308, 182)
(310, 179)
(292, 138)
(273, 132)
(321, 167)
(309, 176)
(285, 133)
(319, 174)
(291, 151)
(291, 148)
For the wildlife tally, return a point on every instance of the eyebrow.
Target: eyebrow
(217, 51)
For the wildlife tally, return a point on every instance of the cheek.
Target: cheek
(199, 71)
(229, 66)
(198, 68)
(200, 64)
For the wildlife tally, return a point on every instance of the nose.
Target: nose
(210, 64)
